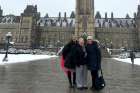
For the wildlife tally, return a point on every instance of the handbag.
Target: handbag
(99, 81)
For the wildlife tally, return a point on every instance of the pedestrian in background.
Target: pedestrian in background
(132, 56)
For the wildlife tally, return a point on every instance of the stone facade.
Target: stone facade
(55, 36)
(138, 26)
(1, 12)
(117, 37)
(84, 23)
(23, 28)
(32, 31)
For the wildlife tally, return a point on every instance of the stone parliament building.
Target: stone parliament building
(29, 30)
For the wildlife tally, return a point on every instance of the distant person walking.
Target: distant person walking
(132, 56)
(93, 58)
(69, 62)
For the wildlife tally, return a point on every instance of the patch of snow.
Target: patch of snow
(128, 60)
(12, 58)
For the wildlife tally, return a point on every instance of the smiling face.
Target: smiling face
(89, 41)
(81, 41)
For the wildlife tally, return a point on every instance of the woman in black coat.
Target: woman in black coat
(81, 67)
(69, 63)
(132, 56)
(93, 58)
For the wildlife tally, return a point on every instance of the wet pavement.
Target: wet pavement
(46, 77)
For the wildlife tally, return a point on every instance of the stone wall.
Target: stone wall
(5, 28)
(54, 35)
(117, 37)
(21, 32)
(110, 37)
(25, 33)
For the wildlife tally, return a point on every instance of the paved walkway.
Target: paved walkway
(46, 77)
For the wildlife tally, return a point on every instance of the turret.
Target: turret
(138, 26)
(84, 22)
(112, 15)
(1, 12)
(106, 15)
(98, 15)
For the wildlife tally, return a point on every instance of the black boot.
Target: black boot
(74, 79)
(69, 79)
(93, 76)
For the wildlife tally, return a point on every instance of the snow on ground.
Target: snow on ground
(128, 60)
(12, 58)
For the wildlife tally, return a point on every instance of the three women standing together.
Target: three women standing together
(79, 56)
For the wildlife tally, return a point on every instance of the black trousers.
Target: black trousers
(93, 76)
(69, 75)
(132, 60)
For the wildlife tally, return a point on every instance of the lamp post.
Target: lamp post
(8, 37)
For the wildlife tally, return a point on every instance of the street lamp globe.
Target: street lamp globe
(9, 34)
(58, 41)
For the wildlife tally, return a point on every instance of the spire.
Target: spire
(98, 15)
(35, 8)
(135, 15)
(47, 15)
(65, 15)
(106, 15)
(1, 12)
(127, 16)
(112, 15)
(72, 14)
(138, 7)
(138, 11)
(59, 15)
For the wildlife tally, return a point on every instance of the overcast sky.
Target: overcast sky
(52, 7)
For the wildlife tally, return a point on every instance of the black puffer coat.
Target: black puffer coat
(93, 56)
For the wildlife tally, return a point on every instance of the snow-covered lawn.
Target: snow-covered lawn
(23, 58)
(128, 60)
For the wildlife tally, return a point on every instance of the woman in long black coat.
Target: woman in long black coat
(93, 58)
(69, 64)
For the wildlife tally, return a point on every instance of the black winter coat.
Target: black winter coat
(68, 55)
(80, 55)
(132, 55)
(93, 56)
